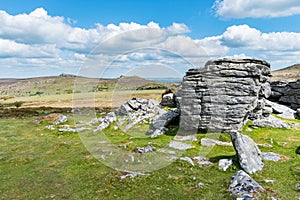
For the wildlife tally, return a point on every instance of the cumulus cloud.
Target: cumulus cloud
(38, 27)
(243, 36)
(10, 48)
(256, 8)
(53, 45)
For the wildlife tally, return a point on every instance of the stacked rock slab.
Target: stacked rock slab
(223, 94)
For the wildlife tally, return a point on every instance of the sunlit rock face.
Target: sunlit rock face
(224, 94)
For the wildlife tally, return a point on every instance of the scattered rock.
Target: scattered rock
(200, 185)
(54, 118)
(202, 161)
(146, 149)
(192, 137)
(187, 159)
(271, 156)
(73, 130)
(270, 121)
(106, 121)
(199, 158)
(180, 145)
(207, 142)
(269, 181)
(248, 153)
(50, 127)
(131, 174)
(172, 158)
(60, 119)
(243, 186)
(166, 151)
(224, 164)
(158, 132)
(264, 145)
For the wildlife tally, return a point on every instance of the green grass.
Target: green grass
(36, 163)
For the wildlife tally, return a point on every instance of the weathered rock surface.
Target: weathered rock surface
(281, 110)
(271, 156)
(180, 145)
(202, 161)
(270, 121)
(146, 149)
(249, 155)
(207, 142)
(286, 93)
(137, 111)
(162, 120)
(188, 159)
(243, 186)
(106, 121)
(222, 95)
(224, 164)
(168, 100)
(74, 130)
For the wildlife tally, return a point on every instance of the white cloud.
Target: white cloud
(38, 27)
(245, 37)
(10, 48)
(256, 8)
(51, 45)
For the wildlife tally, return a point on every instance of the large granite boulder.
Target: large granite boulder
(249, 155)
(223, 94)
(286, 93)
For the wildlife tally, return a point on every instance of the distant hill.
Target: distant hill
(64, 84)
(291, 73)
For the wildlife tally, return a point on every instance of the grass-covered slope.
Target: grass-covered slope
(37, 163)
(291, 73)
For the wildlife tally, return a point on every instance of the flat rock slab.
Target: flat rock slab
(188, 159)
(180, 145)
(282, 110)
(207, 142)
(270, 121)
(243, 186)
(192, 137)
(248, 153)
(271, 156)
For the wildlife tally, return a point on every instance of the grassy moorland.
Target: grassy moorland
(290, 73)
(88, 92)
(37, 163)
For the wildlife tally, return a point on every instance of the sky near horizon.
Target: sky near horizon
(148, 38)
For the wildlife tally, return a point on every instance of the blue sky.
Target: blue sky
(39, 37)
